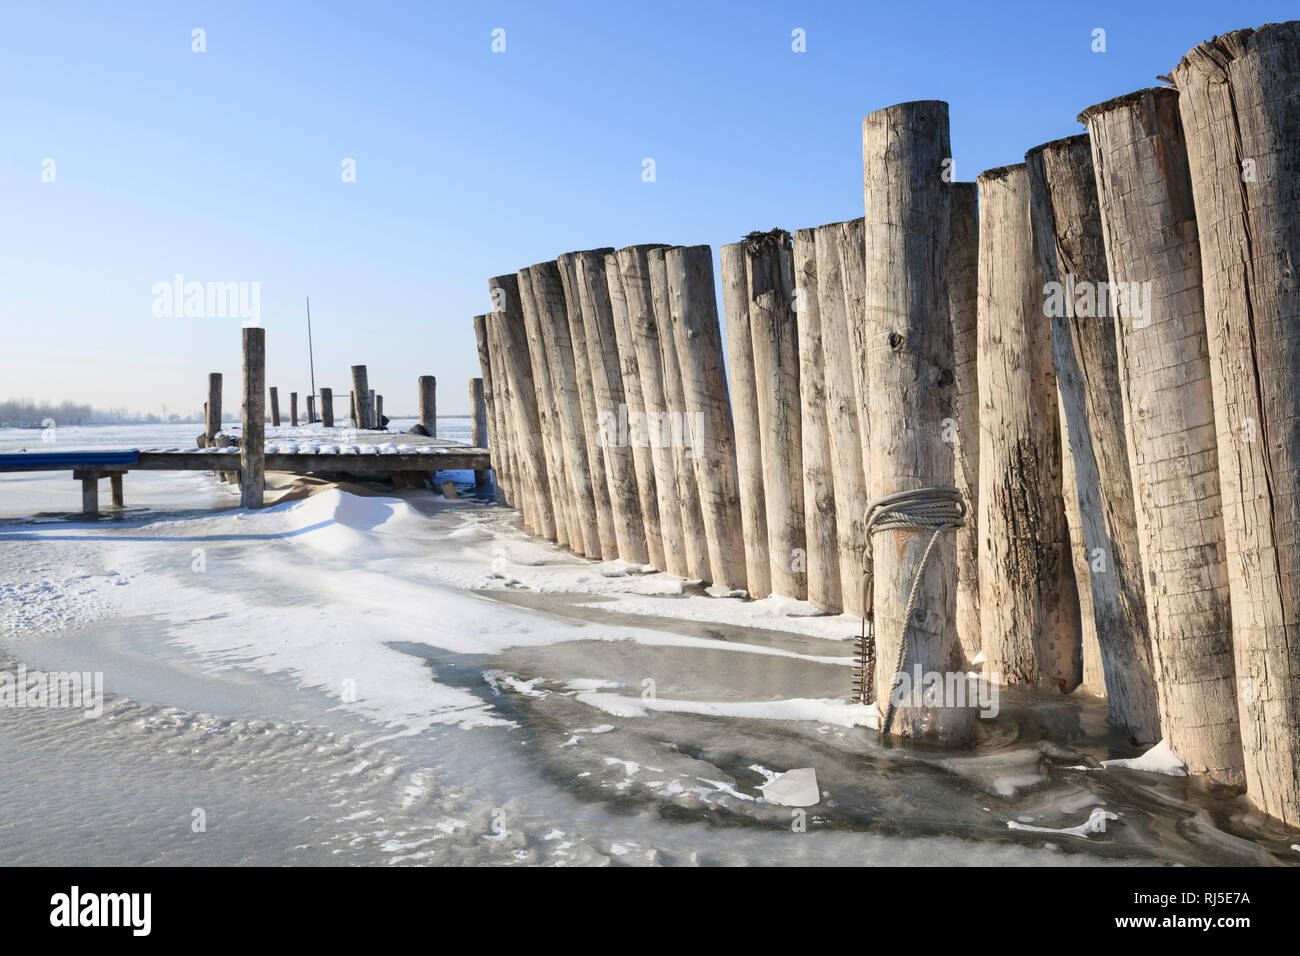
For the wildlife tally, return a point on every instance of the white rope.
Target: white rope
(937, 509)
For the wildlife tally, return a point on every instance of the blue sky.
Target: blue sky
(226, 165)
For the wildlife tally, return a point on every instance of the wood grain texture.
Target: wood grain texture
(252, 445)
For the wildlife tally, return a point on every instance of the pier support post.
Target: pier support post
(1241, 117)
(327, 407)
(252, 445)
(89, 491)
(360, 397)
(372, 411)
(379, 411)
(478, 425)
(908, 369)
(311, 409)
(493, 400)
(1149, 225)
(694, 312)
(293, 409)
(213, 407)
(428, 388)
(275, 407)
(115, 483)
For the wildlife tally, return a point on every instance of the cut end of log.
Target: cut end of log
(1063, 145)
(1127, 100)
(1000, 172)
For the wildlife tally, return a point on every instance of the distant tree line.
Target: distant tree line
(25, 413)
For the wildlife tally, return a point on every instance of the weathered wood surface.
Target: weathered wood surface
(311, 409)
(694, 312)
(1149, 228)
(553, 316)
(607, 384)
(744, 410)
(427, 386)
(213, 408)
(637, 437)
(1241, 116)
(634, 267)
(293, 409)
(494, 403)
(252, 443)
(679, 427)
(1098, 483)
(823, 567)
(327, 407)
(521, 401)
(840, 253)
(275, 407)
(567, 533)
(590, 412)
(1029, 606)
(774, 335)
(361, 407)
(963, 298)
(478, 422)
(908, 371)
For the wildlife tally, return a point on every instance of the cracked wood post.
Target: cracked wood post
(517, 483)
(553, 319)
(252, 444)
(327, 407)
(744, 408)
(213, 407)
(637, 432)
(275, 407)
(478, 425)
(840, 269)
(908, 370)
(634, 269)
(567, 263)
(1108, 563)
(567, 533)
(496, 440)
(360, 397)
(823, 571)
(607, 390)
(507, 320)
(696, 557)
(1241, 117)
(427, 386)
(963, 298)
(694, 313)
(1029, 606)
(293, 409)
(1150, 232)
(774, 334)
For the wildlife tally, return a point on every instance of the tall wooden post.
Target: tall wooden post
(1241, 116)
(478, 425)
(637, 431)
(275, 407)
(839, 252)
(963, 294)
(744, 409)
(611, 404)
(252, 445)
(352, 406)
(553, 324)
(1108, 564)
(327, 407)
(591, 431)
(1029, 606)
(1150, 231)
(908, 359)
(379, 410)
(694, 313)
(428, 388)
(360, 397)
(823, 566)
(293, 409)
(517, 485)
(213, 407)
(372, 410)
(311, 409)
(678, 427)
(494, 401)
(634, 268)
(508, 321)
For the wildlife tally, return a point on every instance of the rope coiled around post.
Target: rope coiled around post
(938, 509)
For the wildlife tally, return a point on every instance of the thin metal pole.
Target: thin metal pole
(310, 356)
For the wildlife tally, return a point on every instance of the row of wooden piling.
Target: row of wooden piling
(1099, 348)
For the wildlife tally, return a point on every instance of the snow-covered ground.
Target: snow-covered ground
(361, 677)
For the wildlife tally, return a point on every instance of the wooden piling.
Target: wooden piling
(428, 388)
(311, 409)
(372, 410)
(908, 366)
(1241, 117)
(352, 406)
(327, 407)
(1029, 606)
(634, 269)
(1150, 231)
(611, 404)
(507, 322)
(494, 403)
(744, 407)
(638, 438)
(360, 397)
(591, 430)
(478, 425)
(275, 407)
(1107, 562)
(823, 566)
(252, 444)
(293, 409)
(677, 427)
(694, 312)
(213, 408)
(839, 251)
